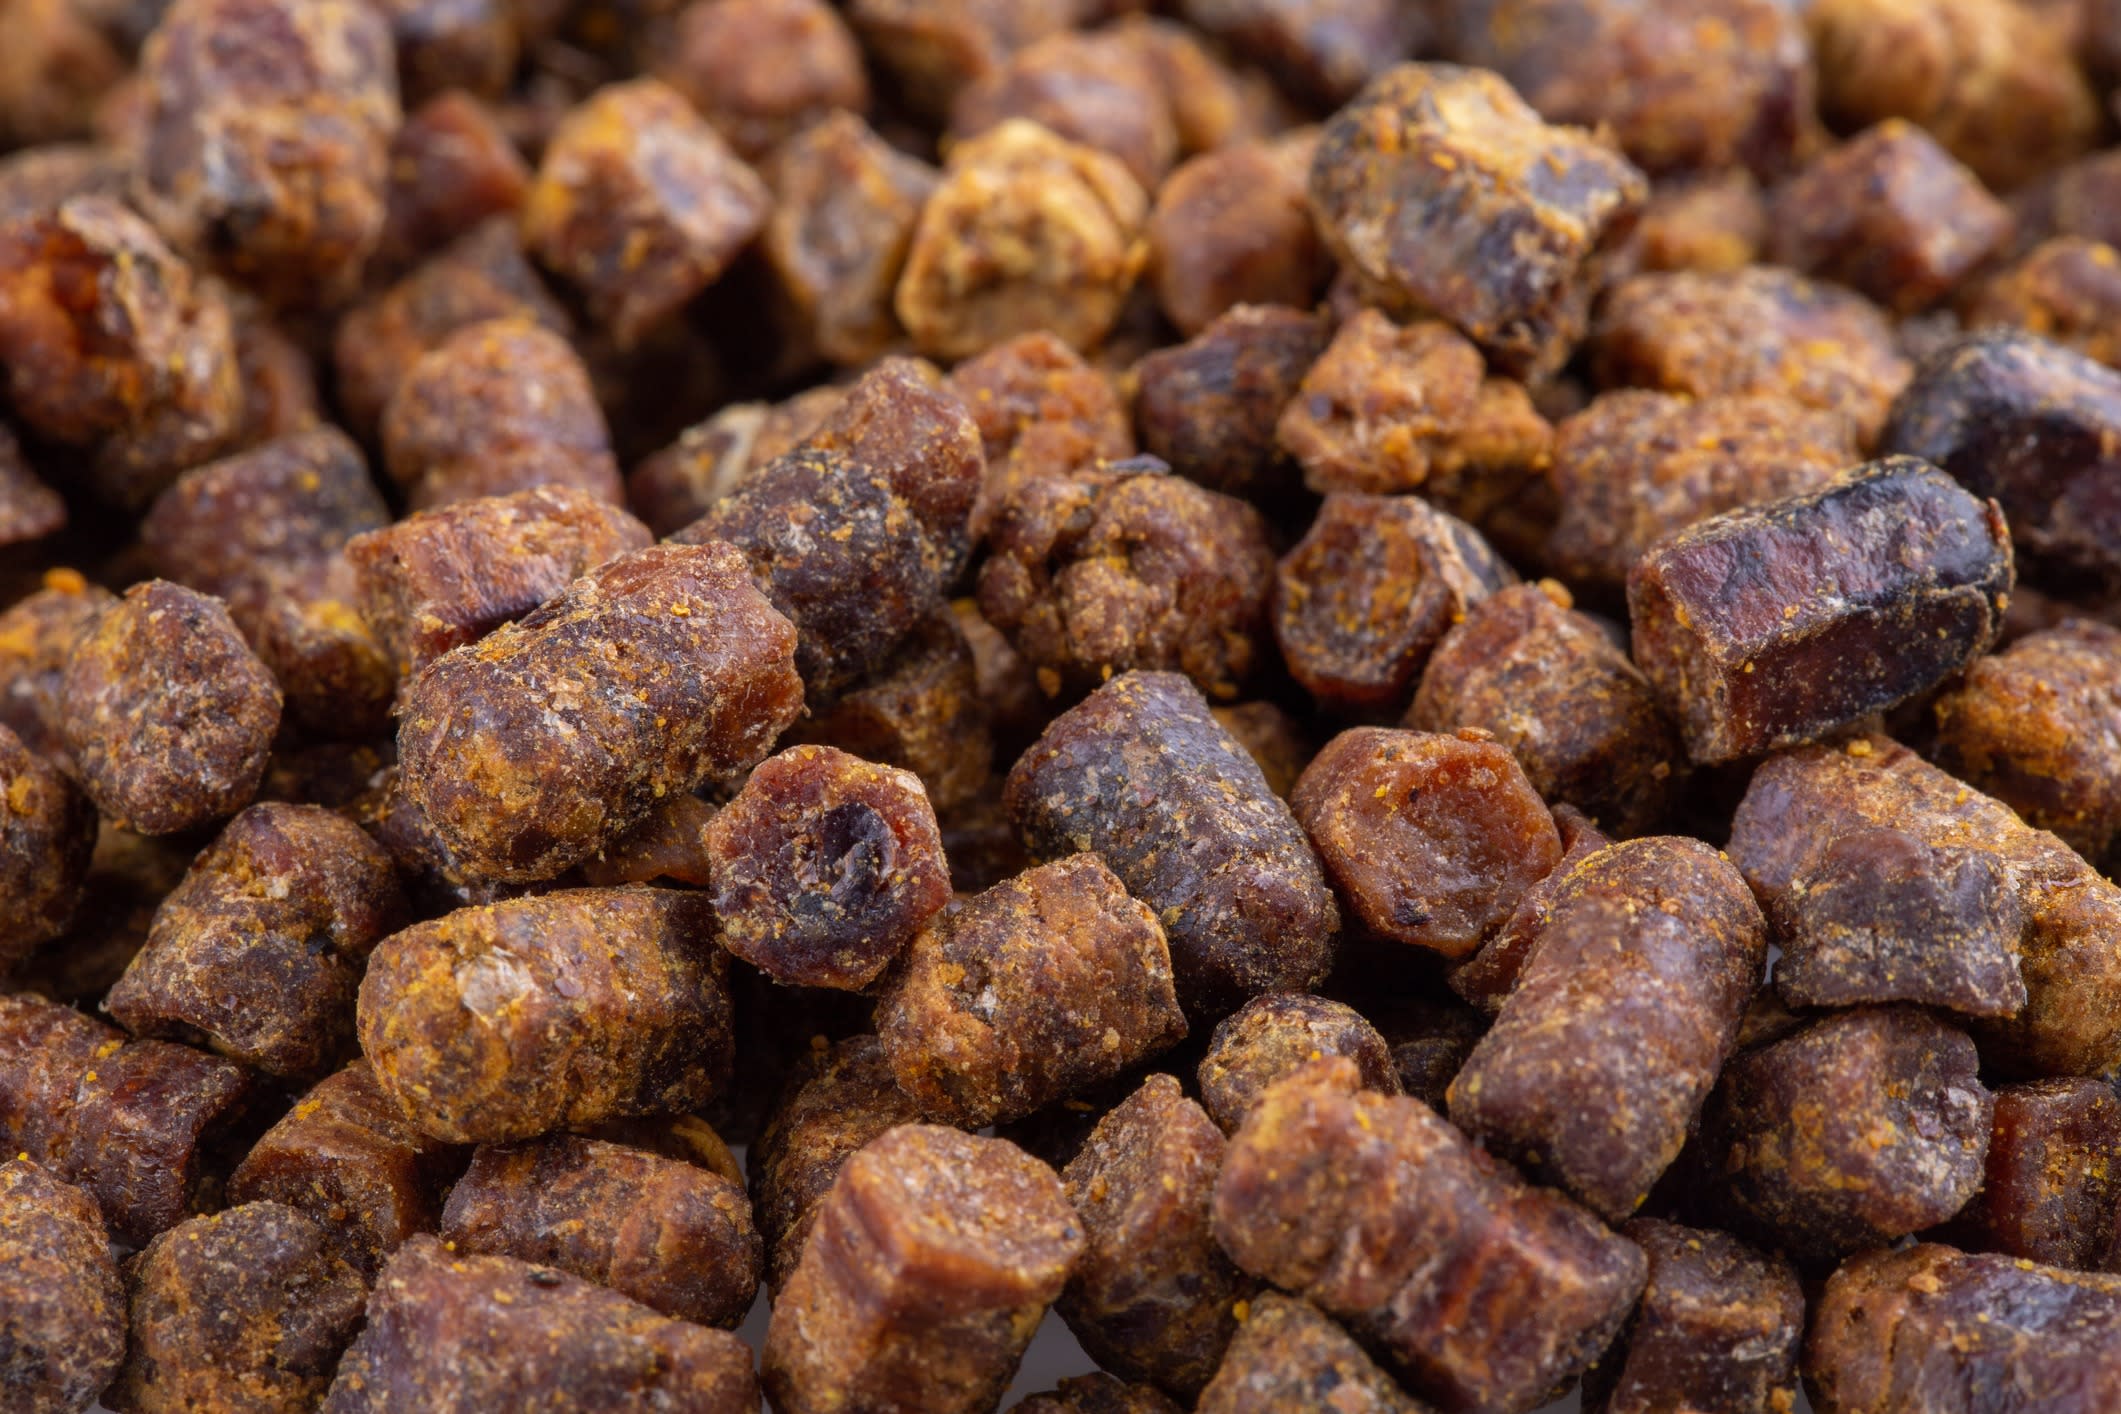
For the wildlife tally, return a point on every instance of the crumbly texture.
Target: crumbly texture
(1097, 1393)
(1868, 591)
(1854, 1131)
(1153, 1297)
(669, 1234)
(459, 1331)
(1279, 744)
(1030, 992)
(502, 1022)
(1272, 1035)
(1041, 411)
(1446, 194)
(349, 1159)
(47, 839)
(1710, 222)
(640, 205)
(2050, 1192)
(1930, 1327)
(1429, 840)
(1128, 567)
(248, 1308)
(1364, 598)
(1477, 1289)
(554, 735)
(63, 1331)
(1633, 991)
(257, 953)
(1286, 1355)
(1094, 87)
(825, 867)
(2067, 290)
(930, 1262)
(1199, 837)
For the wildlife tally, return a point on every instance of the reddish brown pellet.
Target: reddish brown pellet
(764, 71)
(1096, 1393)
(47, 838)
(1414, 180)
(1030, 992)
(2067, 290)
(640, 205)
(846, 1099)
(1428, 840)
(271, 170)
(1152, 1297)
(1128, 567)
(1719, 1327)
(505, 1021)
(248, 1308)
(825, 866)
(1487, 977)
(554, 735)
(1859, 1129)
(345, 1156)
(928, 1267)
(1715, 221)
(1271, 1036)
(1286, 1355)
(1481, 1291)
(1363, 599)
(1867, 592)
(2051, 1192)
(1231, 227)
(169, 715)
(1928, 1327)
(470, 45)
(1197, 836)
(1633, 992)
(444, 578)
(1322, 50)
(1094, 87)
(1209, 406)
(669, 1234)
(463, 1332)
(1041, 411)
(65, 1322)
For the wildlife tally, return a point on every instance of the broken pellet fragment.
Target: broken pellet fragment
(459, 1331)
(928, 1267)
(505, 1021)
(1197, 836)
(825, 866)
(1152, 1296)
(550, 737)
(1038, 988)
(1480, 1291)
(1778, 624)
(670, 1234)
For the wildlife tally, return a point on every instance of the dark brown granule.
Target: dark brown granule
(1322, 51)
(1197, 836)
(1779, 624)
(825, 867)
(2051, 1192)
(1754, 330)
(1038, 988)
(1711, 222)
(246, 1309)
(461, 1332)
(1152, 1296)
(1209, 406)
(257, 953)
(764, 72)
(112, 345)
(1632, 992)
(169, 715)
(1445, 194)
(1859, 1129)
(845, 1098)
(1041, 411)
(930, 49)
(1096, 1393)
(1127, 567)
(1275, 1033)
(267, 140)
(62, 1336)
(1287, 1356)
(1096, 87)
(128, 877)
(1428, 840)
(29, 509)
(443, 578)
(672, 1235)
(47, 837)
(1363, 599)
(1719, 1327)
(1027, 231)
(1486, 978)
(58, 68)
(345, 1156)
(1278, 743)
(552, 736)
(1232, 227)
(2067, 290)
(451, 168)
(1927, 1327)
(1480, 1291)
(499, 406)
(929, 1265)
(640, 205)
(466, 45)
(505, 1021)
